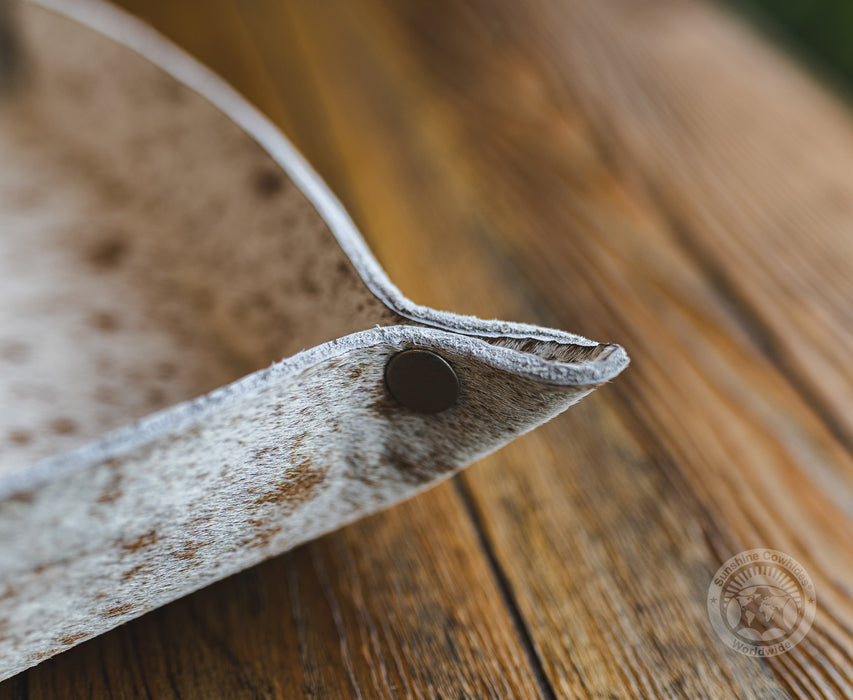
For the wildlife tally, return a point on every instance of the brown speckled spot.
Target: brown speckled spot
(263, 537)
(268, 183)
(22, 497)
(20, 437)
(118, 610)
(203, 299)
(70, 639)
(15, 352)
(166, 370)
(172, 90)
(308, 285)
(384, 405)
(108, 254)
(103, 321)
(299, 485)
(261, 301)
(131, 573)
(155, 397)
(106, 395)
(188, 550)
(63, 426)
(112, 491)
(263, 452)
(78, 86)
(141, 542)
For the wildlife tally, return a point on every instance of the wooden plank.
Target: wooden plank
(727, 413)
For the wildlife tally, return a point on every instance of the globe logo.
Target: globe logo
(761, 602)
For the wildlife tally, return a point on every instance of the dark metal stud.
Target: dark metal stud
(422, 381)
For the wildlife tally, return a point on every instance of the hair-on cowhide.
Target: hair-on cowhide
(161, 245)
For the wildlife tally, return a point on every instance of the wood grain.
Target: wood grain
(656, 177)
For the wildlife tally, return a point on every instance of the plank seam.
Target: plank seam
(505, 588)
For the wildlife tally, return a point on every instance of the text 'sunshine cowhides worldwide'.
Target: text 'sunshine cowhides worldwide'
(162, 248)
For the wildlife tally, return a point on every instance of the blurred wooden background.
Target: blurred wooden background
(645, 173)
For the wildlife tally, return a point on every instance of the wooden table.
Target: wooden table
(645, 173)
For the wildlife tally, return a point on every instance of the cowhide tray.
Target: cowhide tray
(161, 244)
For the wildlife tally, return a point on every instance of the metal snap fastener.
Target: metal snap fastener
(422, 381)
